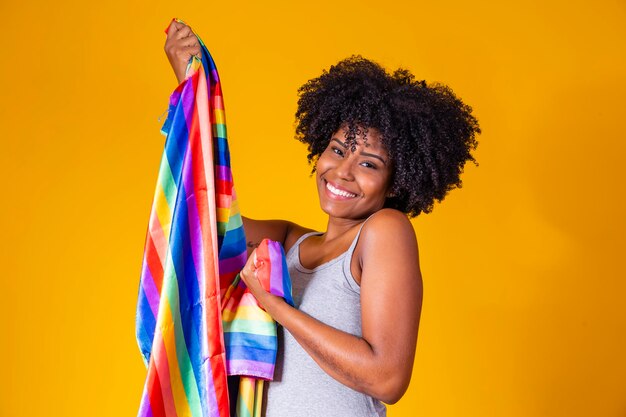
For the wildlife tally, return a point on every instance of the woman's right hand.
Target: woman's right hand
(181, 44)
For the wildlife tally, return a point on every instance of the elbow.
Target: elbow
(390, 389)
(392, 396)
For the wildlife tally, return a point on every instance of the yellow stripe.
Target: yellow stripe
(163, 211)
(257, 327)
(223, 215)
(258, 398)
(219, 116)
(246, 313)
(245, 402)
(235, 218)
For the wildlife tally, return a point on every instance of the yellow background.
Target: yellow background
(523, 267)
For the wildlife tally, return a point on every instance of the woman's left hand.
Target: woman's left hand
(249, 276)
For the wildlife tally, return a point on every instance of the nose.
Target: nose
(345, 166)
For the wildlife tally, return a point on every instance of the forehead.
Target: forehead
(369, 138)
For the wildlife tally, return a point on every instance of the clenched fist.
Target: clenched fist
(181, 44)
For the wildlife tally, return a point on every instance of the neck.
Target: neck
(338, 227)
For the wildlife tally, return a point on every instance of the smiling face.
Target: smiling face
(353, 182)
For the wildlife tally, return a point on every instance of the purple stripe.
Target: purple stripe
(224, 173)
(150, 289)
(189, 101)
(276, 270)
(250, 368)
(174, 98)
(233, 264)
(144, 409)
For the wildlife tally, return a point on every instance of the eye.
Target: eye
(336, 150)
(368, 164)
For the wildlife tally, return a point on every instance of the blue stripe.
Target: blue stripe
(251, 340)
(221, 144)
(234, 243)
(176, 143)
(222, 155)
(286, 280)
(145, 325)
(222, 158)
(250, 354)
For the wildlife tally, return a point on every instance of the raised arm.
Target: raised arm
(180, 45)
(380, 362)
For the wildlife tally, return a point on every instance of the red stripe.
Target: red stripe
(223, 187)
(218, 102)
(227, 278)
(159, 354)
(263, 255)
(154, 263)
(154, 392)
(218, 363)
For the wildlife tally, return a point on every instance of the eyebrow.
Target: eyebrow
(371, 155)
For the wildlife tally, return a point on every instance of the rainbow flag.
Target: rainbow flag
(195, 247)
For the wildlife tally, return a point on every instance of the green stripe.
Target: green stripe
(234, 221)
(221, 228)
(219, 130)
(167, 181)
(250, 326)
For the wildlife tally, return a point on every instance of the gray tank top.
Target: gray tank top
(300, 387)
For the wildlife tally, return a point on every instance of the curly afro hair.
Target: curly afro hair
(428, 132)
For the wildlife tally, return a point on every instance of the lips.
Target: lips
(336, 191)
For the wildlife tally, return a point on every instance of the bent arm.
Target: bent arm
(380, 362)
(281, 231)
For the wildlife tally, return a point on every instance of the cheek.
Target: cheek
(322, 164)
(381, 184)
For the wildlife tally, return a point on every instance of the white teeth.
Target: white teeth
(339, 192)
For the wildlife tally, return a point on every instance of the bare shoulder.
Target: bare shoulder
(388, 227)
(387, 237)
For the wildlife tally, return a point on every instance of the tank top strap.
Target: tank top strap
(293, 249)
(356, 238)
(347, 260)
(358, 234)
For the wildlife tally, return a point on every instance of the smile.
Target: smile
(339, 192)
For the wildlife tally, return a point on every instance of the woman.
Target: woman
(384, 147)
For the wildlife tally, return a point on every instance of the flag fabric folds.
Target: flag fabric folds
(249, 332)
(195, 247)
